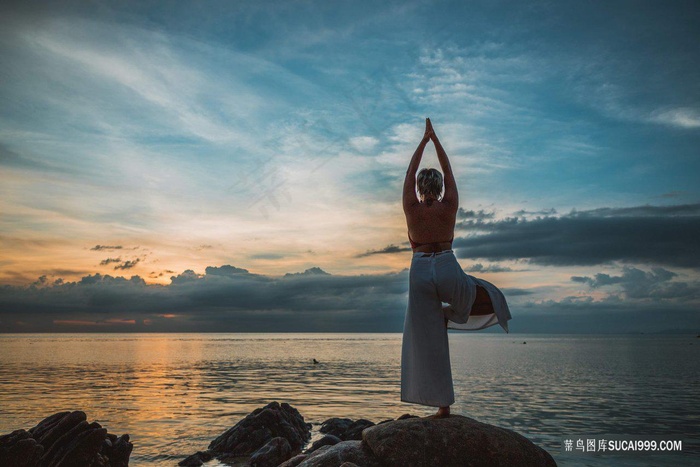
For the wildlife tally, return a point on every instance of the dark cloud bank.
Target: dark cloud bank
(231, 299)
(223, 299)
(663, 235)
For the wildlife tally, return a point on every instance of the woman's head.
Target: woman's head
(429, 183)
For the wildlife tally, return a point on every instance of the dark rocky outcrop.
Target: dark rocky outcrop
(451, 441)
(276, 451)
(20, 449)
(197, 459)
(345, 428)
(353, 451)
(336, 426)
(327, 440)
(406, 415)
(294, 461)
(354, 431)
(406, 441)
(254, 432)
(274, 435)
(65, 439)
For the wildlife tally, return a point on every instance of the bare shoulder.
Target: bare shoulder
(449, 204)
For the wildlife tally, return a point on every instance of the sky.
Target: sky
(237, 166)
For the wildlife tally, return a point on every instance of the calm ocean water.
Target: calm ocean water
(174, 393)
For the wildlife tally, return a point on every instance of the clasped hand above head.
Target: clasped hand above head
(429, 132)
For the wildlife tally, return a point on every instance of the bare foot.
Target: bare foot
(443, 412)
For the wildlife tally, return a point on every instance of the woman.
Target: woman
(436, 278)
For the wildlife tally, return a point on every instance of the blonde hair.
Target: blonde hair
(429, 182)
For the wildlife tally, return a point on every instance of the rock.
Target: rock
(276, 451)
(344, 428)
(327, 440)
(336, 426)
(354, 431)
(20, 449)
(406, 415)
(76, 445)
(48, 433)
(196, 459)
(259, 427)
(345, 451)
(121, 450)
(48, 423)
(349, 464)
(65, 439)
(451, 441)
(294, 461)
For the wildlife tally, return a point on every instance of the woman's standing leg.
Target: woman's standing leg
(426, 375)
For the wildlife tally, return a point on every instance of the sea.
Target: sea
(174, 393)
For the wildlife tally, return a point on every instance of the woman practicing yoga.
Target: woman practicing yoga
(436, 278)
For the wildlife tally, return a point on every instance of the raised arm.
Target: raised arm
(409, 183)
(451, 196)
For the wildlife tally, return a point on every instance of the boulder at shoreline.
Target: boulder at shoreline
(65, 439)
(451, 441)
(274, 436)
(407, 441)
(268, 436)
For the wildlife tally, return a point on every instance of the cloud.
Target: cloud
(225, 270)
(386, 250)
(128, 264)
(586, 316)
(108, 261)
(657, 284)
(516, 292)
(231, 299)
(663, 235)
(105, 247)
(682, 117)
(674, 194)
(541, 212)
(478, 267)
(363, 143)
(309, 272)
(481, 214)
(225, 298)
(269, 256)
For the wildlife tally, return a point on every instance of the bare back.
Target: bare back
(432, 223)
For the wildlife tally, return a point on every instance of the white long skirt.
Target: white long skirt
(426, 375)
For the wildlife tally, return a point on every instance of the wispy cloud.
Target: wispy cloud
(683, 117)
(491, 268)
(128, 264)
(386, 250)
